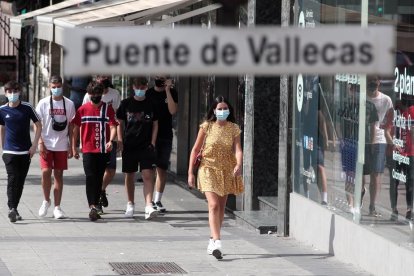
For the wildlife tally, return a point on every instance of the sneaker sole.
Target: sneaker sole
(217, 254)
(151, 216)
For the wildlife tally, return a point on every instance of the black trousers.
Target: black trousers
(17, 167)
(94, 165)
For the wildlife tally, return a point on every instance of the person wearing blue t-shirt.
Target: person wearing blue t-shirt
(15, 117)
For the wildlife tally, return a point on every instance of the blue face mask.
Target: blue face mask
(13, 97)
(139, 92)
(222, 114)
(56, 91)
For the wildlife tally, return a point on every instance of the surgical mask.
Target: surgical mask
(13, 97)
(139, 92)
(57, 91)
(159, 83)
(96, 99)
(222, 114)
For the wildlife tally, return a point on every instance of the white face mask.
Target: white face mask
(13, 97)
(222, 114)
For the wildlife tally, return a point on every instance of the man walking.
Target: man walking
(137, 133)
(95, 121)
(15, 117)
(56, 112)
(165, 99)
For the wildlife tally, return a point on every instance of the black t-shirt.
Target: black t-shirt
(138, 117)
(164, 115)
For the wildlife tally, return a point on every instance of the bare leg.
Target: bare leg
(46, 183)
(161, 179)
(129, 186)
(58, 186)
(148, 179)
(216, 205)
(108, 176)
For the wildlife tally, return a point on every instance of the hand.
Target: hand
(32, 150)
(70, 154)
(75, 153)
(108, 146)
(237, 170)
(191, 181)
(43, 150)
(151, 147)
(168, 84)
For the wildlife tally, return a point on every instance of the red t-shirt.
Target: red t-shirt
(94, 123)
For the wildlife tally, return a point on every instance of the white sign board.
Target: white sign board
(229, 51)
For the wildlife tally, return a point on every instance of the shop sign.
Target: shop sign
(229, 51)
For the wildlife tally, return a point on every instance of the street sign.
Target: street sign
(229, 51)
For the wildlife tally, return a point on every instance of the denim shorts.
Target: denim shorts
(375, 157)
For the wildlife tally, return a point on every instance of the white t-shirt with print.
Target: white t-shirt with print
(111, 97)
(55, 140)
(382, 103)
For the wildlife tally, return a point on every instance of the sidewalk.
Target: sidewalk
(76, 246)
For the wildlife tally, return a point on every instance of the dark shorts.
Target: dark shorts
(112, 157)
(314, 158)
(375, 158)
(164, 148)
(132, 157)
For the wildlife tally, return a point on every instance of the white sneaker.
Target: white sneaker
(43, 208)
(217, 251)
(58, 213)
(150, 212)
(129, 213)
(210, 247)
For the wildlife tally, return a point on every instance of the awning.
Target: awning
(103, 14)
(17, 22)
(44, 23)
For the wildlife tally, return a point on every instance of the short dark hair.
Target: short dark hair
(94, 88)
(211, 117)
(12, 85)
(106, 83)
(140, 80)
(55, 79)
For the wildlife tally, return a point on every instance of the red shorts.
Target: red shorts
(55, 160)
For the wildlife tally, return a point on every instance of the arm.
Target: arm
(75, 139)
(70, 134)
(196, 148)
(154, 132)
(172, 105)
(42, 148)
(112, 137)
(388, 126)
(2, 135)
(324, 130)
(38, 132)
(239, 156)
(120, 134)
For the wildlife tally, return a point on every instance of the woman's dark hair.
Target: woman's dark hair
(94, 88)
(211, 117)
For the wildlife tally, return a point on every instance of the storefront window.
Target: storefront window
(353, 134)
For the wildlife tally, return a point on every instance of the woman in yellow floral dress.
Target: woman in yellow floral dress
(219, 173)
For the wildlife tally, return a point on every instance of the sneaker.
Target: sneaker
(324, 203)
(43, 208)
(103, 200)
(394, 215)
(12, 215)
(351, 210)
(409, 215)
(129, 213)
(58, 213)
(373, 212)
(93, 214)
(210, 247)
(158, 206)
(18, 216)
(150, 212)
(217, 251)
(99, 209)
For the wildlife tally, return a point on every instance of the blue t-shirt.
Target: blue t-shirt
(17, 123)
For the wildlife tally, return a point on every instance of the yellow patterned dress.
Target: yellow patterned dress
(215, 173)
